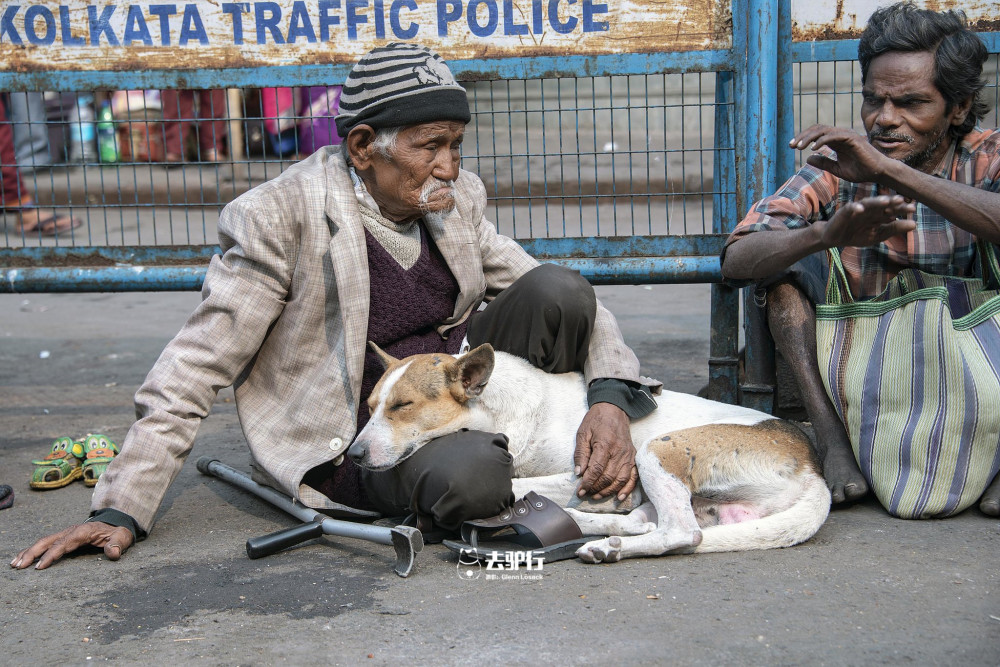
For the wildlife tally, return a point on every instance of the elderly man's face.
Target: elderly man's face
(904, 113)
(418, 179)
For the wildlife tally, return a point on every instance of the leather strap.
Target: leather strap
(545, 520)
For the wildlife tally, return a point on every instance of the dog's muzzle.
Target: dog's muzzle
(358, 452)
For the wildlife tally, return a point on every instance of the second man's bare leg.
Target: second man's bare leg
(792, 320)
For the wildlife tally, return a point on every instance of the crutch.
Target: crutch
(407, 541)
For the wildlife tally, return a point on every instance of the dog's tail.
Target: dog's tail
(783, 529)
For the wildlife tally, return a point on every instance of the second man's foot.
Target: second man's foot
(843, 476)
(989, 504)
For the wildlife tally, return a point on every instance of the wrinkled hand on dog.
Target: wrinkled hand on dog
(605, 455)
(115, 541)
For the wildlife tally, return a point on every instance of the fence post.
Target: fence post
(760, 87)
(723, 371)
(785, 129)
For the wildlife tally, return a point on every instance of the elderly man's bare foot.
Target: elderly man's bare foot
(989, 504)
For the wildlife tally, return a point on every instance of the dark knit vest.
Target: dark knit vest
(406, 307)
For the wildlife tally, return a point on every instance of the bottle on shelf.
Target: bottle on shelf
(107, 140)
(83, 140)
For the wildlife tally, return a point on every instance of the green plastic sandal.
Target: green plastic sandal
(60, 467)
(100, 451)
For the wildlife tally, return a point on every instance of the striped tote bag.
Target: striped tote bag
(915, 376)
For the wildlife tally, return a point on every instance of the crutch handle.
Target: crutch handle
(258, 547)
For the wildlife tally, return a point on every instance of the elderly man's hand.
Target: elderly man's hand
(604, 453)
(114, 540)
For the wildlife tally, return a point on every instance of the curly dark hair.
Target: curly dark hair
(959, 54)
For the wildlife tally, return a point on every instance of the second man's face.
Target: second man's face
(904, 113)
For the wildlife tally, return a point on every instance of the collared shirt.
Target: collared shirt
(935, 246)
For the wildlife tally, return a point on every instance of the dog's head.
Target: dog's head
(418, 399)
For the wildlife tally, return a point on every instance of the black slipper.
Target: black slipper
(534, 527)
(51, 224)
(6, 496)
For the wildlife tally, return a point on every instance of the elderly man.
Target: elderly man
(384, 240)
(918, 193)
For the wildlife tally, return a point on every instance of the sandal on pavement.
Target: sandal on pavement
(533, 525)
(6, 496)
(47, 223)
(60, 467)
(99, 452)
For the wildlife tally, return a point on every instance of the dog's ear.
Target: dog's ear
(471, 372)
(386, 359)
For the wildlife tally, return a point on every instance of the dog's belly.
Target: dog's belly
(709, 512)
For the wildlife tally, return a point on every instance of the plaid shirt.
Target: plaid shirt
(935, 246)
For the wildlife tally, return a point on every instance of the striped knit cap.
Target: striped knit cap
(397, 85)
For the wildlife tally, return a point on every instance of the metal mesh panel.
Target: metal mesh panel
(595, 156)
(132, 200)
(602, 156)
(584, 156)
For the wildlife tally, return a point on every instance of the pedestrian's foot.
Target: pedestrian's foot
(989, 504)
(45, 222)
(843, 476)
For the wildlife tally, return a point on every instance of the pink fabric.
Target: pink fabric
(12, 191)
(312, 109)
(278, 106)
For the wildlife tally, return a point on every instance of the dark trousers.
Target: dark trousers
(809, 274)
(546, 317)
(210, 122)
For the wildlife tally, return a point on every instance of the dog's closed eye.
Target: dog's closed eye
(401, 404)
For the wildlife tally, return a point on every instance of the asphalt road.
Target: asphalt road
(867, 589)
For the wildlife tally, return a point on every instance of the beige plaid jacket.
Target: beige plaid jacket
(284, 319)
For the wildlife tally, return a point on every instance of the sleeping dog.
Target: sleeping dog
(713, 476)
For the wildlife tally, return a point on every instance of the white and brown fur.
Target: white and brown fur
(713, 476)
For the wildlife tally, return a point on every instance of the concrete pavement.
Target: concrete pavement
(867, 589)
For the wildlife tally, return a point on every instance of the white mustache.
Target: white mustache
(433, 185)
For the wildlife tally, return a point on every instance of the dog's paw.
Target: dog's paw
(639, 528)
(608, 550)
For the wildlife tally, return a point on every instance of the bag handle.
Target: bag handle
(988, 263)
(838, 290)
